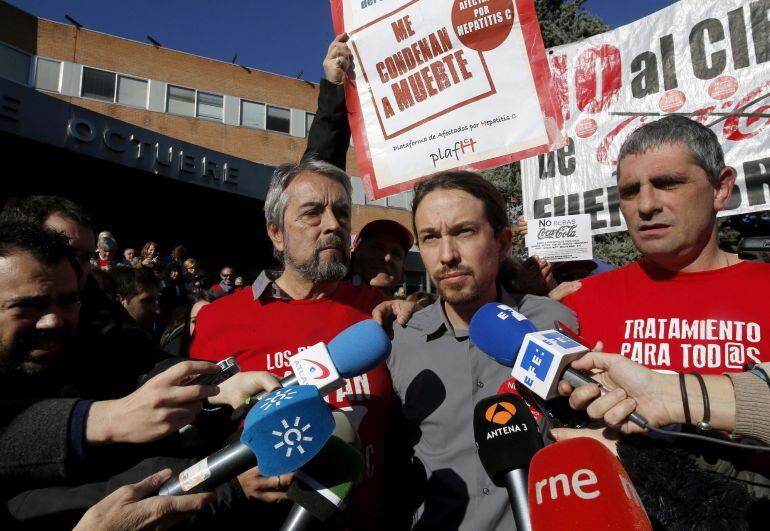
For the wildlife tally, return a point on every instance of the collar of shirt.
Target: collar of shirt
(265, 287)
(437, 324)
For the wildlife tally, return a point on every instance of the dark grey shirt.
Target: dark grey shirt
(439, 376)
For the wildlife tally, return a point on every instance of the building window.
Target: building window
(98, 84)
(47, 74)
(278, 119)
(132, 91)
(180, 101)
(253, 114)
(210, 106)
(308, 122)
(14, 64)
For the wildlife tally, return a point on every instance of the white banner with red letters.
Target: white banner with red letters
(445, 84)
(707, 60)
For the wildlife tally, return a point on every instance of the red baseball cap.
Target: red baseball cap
(385, 225)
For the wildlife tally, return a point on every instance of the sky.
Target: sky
(285, 37)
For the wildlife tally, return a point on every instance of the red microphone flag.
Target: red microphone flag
(579, 480)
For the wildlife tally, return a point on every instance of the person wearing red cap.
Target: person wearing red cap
(379, 253)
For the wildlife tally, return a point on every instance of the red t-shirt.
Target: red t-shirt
(711, 321)
(262, 334)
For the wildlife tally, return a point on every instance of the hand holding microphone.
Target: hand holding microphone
(540, 359)
(281, 434)
(630, 387)
(655, 395)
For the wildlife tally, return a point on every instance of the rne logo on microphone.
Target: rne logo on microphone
(292, 436)
(276, 399)
(500, 413)
(580, 480)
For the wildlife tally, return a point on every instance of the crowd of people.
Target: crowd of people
(95, 353)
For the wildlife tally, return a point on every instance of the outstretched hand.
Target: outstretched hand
(338, 63)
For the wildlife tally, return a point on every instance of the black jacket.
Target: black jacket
(329, 135)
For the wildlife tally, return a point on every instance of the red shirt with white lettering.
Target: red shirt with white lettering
(711, 321)
(262, 332)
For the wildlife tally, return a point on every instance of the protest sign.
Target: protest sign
(707, 60)
(444, 84)
(560, 239)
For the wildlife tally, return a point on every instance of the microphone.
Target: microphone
(539, 358)
(321, 487)
(356, 350)
(344, 430)
(285, 431)
(507, 438)
(581, 479)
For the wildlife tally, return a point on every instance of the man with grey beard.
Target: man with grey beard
(308, 211)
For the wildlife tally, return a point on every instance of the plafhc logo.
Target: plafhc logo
(500, 413)
(536, 361)
(292, 436)
(276, 398)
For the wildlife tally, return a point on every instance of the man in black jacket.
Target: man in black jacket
(53, 446)
(114, 350)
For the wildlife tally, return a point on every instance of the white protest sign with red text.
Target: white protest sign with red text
(705, 59)
(444, 84)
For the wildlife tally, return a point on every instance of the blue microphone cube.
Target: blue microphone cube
(287, 428)
(542, 360)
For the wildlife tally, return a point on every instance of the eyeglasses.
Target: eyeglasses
(226, 274)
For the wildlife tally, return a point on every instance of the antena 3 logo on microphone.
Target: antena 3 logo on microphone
(506, 434)
(287, 429)
(502, 420)
(500, 413)
(314, 366)
(541, 360)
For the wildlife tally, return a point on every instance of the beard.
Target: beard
(458, 295)
(316, 270)
(23, 372)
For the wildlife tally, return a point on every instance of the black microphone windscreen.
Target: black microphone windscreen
(506, 435)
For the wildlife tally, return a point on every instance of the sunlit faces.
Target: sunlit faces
(316, 235)
(38, 312)
(458, 246)
(227, 276)
(669, 204)
(80, 238)
(380, 259)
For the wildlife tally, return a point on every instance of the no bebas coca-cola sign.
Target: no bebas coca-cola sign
(707, 60)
